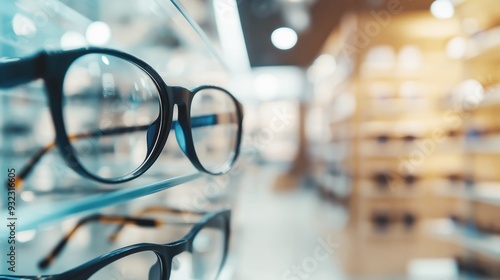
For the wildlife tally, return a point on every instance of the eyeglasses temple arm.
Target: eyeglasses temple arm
(159, 209)
(212, 119)
(47, 261)
(26, 170)
(198, 121)
(20, 71)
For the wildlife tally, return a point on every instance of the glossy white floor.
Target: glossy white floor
(282, 235)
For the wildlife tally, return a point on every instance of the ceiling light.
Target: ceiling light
(284, 38)
(98, 33)
(72, 40)
(442, 9)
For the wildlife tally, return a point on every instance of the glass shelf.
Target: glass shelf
(160, 32)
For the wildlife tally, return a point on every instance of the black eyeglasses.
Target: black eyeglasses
(207, 242)
(112, 114)
(384, 138)
(382, 220)
(384, 179)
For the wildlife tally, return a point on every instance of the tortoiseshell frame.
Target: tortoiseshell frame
(51, 66)
(137, 220)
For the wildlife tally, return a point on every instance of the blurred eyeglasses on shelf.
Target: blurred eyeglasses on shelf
(384, 179)
(206, 243)
(112, 114)
(383, 220)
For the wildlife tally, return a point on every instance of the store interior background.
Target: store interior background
(370, 125)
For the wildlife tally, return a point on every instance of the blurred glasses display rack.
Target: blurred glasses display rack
(394, 96)
(478, 228)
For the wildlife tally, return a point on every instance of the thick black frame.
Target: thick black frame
(51, 66)
(164, 252)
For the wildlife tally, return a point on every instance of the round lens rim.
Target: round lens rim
(225, 216)
(92, 267)
(164, 117)
(86, 270)
(239, 114)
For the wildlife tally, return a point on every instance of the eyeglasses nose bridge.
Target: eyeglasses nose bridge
(181, 96)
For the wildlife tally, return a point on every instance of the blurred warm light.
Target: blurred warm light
(344, 107)
(284, 38)
(431, 28)
(323, 67)
(456, 48)
(23, 26)
(472, 91)
(98, 33)
(468, 94)
(381, 90)
(72, 40)
(470, 25)
(410, 57)
(442, 9)
(381, 57)
(410, 90)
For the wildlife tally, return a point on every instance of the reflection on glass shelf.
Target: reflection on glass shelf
(49, 211)
(472, 240)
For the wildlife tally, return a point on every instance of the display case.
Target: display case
(181, 44)
(402, 144)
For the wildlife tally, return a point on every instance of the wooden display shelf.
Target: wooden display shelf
(485, 244)
(405, 106)
(420, 188)
(483, 66)
(485, 215)
(423, 207)
(374, 150)
(389, 257)
(484, 166)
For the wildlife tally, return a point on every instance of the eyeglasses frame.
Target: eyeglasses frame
(52, 66)
(164, 252)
